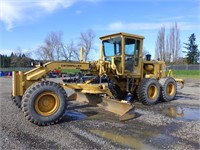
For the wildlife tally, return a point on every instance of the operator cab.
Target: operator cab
(124, 51)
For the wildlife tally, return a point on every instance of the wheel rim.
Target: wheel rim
(170, 89)
(152, 92)
(47, 104)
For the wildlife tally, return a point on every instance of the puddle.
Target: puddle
(73, 115)
(186, 97)
(187, 114)
(122, 139)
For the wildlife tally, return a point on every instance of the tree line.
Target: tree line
(54, 49)
(15, 60)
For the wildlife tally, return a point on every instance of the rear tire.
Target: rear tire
(168, 89)
(44, 103)
(148, 91)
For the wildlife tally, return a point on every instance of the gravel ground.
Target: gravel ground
(173, 125)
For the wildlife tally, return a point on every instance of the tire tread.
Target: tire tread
(31, 90)
(143, 85)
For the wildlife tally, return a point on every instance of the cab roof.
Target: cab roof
(122, 34)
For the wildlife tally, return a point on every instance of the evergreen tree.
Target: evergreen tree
(192, 50)
(14, 61)
(12, 54)
(4, 61)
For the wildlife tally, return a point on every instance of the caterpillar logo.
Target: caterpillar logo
(72, 66)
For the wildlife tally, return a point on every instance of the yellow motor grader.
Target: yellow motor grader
(44, 102)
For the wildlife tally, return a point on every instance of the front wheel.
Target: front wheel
(44, 103)
(17, 100)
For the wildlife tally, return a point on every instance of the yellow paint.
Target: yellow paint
(180, 81)
(47, 104)
(152, 92)
(82, 55)
(170, 89)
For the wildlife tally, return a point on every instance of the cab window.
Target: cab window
(129, 46)
(137, 53)
(112, 47)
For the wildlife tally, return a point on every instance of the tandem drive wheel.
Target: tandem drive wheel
(149, 91)
(44, 103)
(168, 89)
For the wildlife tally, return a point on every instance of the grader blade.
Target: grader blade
(91, 99)
(115, 106)
(124, 110)
(128, 115)
(72, 97)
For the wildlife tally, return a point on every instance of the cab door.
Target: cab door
(132, 55)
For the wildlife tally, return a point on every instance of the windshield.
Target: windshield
(112, 46)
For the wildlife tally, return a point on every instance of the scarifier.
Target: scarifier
(44, 102)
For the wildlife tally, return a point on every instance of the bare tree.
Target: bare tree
(20, 52)
(168, 48)
(178, 42)
(160, 44)
(51, 49)
(54, 49)
(174, 43)
(20, 58)
(68, 52)
(76, 53)
(87, 42)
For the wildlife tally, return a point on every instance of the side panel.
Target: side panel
(154, 69)
(162, 70)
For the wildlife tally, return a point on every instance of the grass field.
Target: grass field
(70, 70)
(186, 74)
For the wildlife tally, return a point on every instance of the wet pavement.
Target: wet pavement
(73, 115)
(173, 125)
(122, 139)
(183, 113)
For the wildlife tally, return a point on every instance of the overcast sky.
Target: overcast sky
(25, 23)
